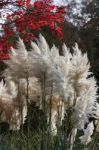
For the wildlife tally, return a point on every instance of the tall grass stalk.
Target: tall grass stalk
(28, 117)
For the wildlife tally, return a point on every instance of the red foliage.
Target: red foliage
(4, 3)
(23, 2)
(24, 22)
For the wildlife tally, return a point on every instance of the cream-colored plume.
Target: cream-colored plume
(64, 79)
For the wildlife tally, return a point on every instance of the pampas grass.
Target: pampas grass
(60, 88)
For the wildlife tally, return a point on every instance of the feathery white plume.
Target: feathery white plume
(86, 138)
(83, 89)
(67, 74)
(9, 106)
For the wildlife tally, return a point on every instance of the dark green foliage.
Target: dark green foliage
(40, 137)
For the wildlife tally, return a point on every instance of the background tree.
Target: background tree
(39, 17)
